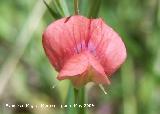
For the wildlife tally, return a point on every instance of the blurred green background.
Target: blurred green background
(26, 75)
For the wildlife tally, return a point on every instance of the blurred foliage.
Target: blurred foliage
(135, 88)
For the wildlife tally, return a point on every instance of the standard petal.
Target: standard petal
(107, 46)
(64, 38)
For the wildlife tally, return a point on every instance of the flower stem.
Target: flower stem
(76, 91)
(80, 100)
(76, 95)
(76, 8)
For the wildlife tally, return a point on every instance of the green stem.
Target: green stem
(80, 100)
(76, 91)
(76, 8)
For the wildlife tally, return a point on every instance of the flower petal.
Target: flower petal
(83, 50)
(83, 68)
(75, 66)
(98, 73)
(65, 37)
(107, 45)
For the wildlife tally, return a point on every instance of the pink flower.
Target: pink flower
(83, 50)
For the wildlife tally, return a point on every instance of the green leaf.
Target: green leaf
(64, 7)
(58, 6)
(55, 14)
